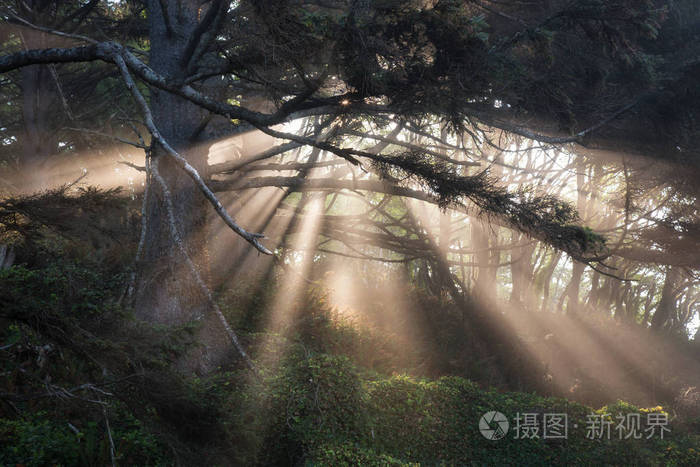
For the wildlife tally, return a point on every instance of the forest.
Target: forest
(349, 232)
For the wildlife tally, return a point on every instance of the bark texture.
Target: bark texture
(166, 292)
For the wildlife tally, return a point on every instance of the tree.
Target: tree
(599, 74)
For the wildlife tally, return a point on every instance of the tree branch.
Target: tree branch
(252, 238)
(412, 147)
(203, 33)
(85, 53)
(175, 233)
(232, 166)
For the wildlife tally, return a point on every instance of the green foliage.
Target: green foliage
(294, 408)
(72, 215)
(67, 342)
(62, 287)
(320, 410)
(348, 454)
(319, 328)
(38, 439)
(319, 398)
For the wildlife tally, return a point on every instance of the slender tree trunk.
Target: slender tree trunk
(484, 238)
(578, 268)
(574, 288)
(666, 305)
(648, 304)
(516, 270)
(522, 271)
(547, 274)
(485, 286)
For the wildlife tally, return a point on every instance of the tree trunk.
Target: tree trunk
(577, 268)
(667, 302)
(522, 272)
(547, 274)
(485, 286)
(574, 288)
(38, 98)
(516, 268)
(166, 290)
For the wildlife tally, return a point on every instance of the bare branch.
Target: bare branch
(204, 33)
(112, 449)
(413, 147)
(133, 166)
(52, 31)
(232, 166)
(177, 239)
(85, 53)
(316, 184)
(131, 287)
(558, 140)
(105, 135)
(252, 238)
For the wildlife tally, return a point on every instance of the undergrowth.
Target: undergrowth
(84, 383)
